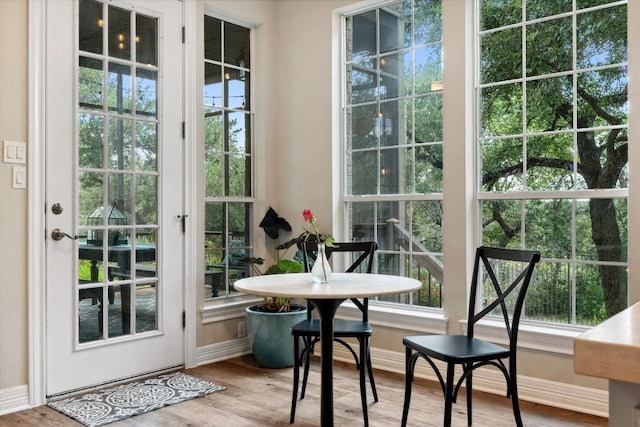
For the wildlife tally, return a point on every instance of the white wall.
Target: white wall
(13, 205)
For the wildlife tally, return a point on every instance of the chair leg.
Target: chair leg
(100, 314)
(469, 393)
(363, 384)
(296, 376)
(307, 352)
(514, 397)
(448, 395)
(516, 409)
(408, 380)
(370, 371)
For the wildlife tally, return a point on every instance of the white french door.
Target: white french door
(114, 159)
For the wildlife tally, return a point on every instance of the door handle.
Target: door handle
(58, 234)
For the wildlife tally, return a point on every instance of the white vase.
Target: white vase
(321, 270)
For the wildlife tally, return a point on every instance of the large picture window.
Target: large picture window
(552, 149)
(393, 143)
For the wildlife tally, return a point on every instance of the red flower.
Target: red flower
(307, 215)
(310, 219)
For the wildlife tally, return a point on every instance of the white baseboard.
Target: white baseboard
(221, 351)
(14, 399)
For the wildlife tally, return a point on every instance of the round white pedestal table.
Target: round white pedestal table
(327, 297)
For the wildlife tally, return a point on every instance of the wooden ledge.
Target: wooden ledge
(611, 349)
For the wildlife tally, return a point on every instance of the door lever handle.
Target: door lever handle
(57, 234)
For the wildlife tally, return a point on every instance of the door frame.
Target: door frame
(37, 201)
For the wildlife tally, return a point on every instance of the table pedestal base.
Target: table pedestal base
(326, 309)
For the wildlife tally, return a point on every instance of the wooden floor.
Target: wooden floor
(261, 397)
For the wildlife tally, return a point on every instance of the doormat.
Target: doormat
(118, 403)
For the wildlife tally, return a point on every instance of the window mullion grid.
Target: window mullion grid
(523, 82)
(573, 266)
(525, 171)
(378, 102)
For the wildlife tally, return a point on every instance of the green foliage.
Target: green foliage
(430, 295)
(284, 266)
(84, 271)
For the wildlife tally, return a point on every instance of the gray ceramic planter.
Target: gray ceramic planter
(272, 343)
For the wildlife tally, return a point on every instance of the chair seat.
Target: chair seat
(455, 348)
(341, 328)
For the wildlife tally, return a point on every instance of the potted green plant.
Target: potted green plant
(269, 323)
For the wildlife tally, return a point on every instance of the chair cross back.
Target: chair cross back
(484, 256)
(367, 251)
(493, 271)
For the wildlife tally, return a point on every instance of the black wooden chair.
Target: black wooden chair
(502, 277)
(308, 331)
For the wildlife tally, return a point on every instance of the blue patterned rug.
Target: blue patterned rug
(118, 403)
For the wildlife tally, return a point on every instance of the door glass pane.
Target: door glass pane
(118, 196)
(90, 143)
(119, 96)
(119, 144)
(146, 89)
(146, 146)
(146, 36)
(91, 186)
(90, 314)
(146, 307)
(147, 199)
(119, 316)
(91, 25)
(119, 37)
(90, 84)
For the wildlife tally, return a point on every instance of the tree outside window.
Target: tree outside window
(552, 145)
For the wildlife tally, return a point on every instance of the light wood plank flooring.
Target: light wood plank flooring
(262, 397)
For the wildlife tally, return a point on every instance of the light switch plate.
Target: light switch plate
(15, 152)
(19, 177)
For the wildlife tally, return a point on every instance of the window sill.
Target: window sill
(405, 318)
(227, 308)
(535, 336)
(549, 338)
